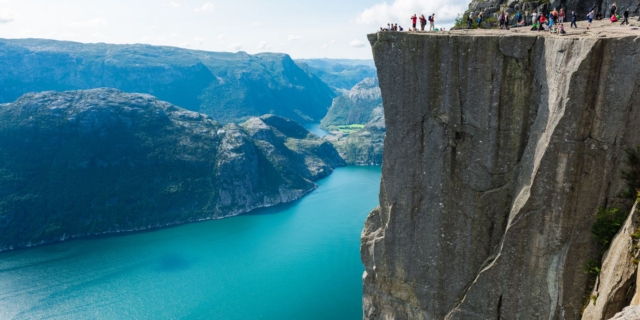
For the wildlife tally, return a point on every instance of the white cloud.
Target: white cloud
(172, 5)
(400, 12)
(294, 37)
(222, 37)
(263, 45)
(235, 46)
(357, 43)
(6, 16)
(326, 45)
(93, 23)
(206, 8)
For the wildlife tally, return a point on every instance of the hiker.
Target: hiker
(554, 16)
(506, 21)
(501, 20)
(423, 22)
(400, 28)
(543, 23)
(590, 19)
(561, 15)
(479, 19)
(470, 19)
(414, 18)
(561, 29)
(534, 17)
(551, 20)
(432, 21)
(625, 17)
(614, 8)
(574, 18)
(518, 19)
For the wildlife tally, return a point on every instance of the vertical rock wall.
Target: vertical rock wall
(499, 151)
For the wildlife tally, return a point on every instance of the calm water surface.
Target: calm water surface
(296, 261)
(315, 129)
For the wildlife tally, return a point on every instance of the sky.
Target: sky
(301, 28)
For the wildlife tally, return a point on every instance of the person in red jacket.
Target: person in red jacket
(423, 22)
(414, 18)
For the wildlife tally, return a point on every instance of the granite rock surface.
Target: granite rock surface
(499, 151)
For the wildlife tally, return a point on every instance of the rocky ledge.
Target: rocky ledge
(500, 149)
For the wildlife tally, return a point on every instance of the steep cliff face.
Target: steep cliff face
(499, 151)
(99, 161)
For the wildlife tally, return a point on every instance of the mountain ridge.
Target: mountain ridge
(230, 87)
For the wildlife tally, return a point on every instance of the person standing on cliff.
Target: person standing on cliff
(614, 8)
(625, 17)
(423, 22)
(574, 18)
(561, 15)
(414, 19)
(590, 19)
(534, 17)
(432, 22)
(480, 19)
(470, 19)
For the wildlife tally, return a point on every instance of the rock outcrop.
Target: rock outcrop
(617, 285)
(617, 282)
(499, 150)
(101, 161)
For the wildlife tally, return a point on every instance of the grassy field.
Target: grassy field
(351, 128)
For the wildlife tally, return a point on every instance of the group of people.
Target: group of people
(414, 24)
(423, 22)
(614, 15)
(553, 22)
(392, 27)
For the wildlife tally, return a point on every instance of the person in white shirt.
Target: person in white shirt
(432, 22)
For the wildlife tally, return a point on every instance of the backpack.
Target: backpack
(430, 18)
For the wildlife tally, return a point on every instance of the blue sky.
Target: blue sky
(304, 29)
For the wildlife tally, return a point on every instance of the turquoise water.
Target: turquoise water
(315, 129)
(295, 261)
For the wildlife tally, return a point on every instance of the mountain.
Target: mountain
(229, 87)
(359, 106)
(364, 147)
(357, 125)
(340, 74)
(81, 163)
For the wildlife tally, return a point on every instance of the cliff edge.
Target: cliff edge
(500, 148)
